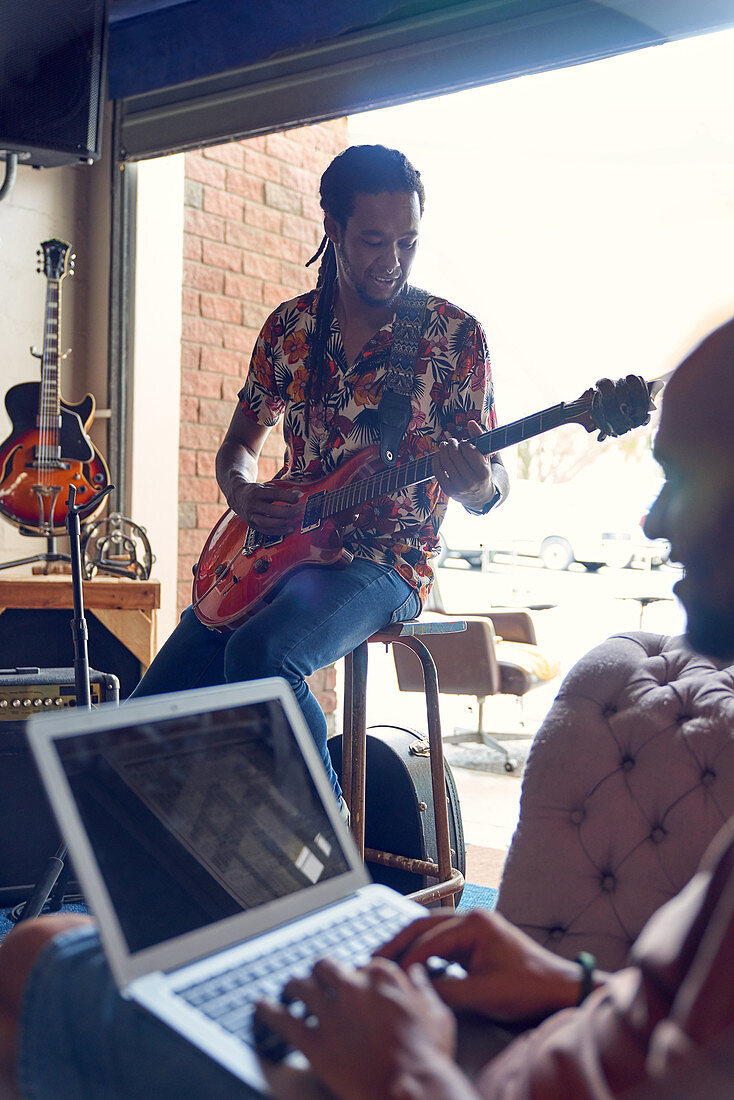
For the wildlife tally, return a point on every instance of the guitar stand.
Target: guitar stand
(51, 555)
(49, 889)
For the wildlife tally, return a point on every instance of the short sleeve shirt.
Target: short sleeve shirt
(452, 386)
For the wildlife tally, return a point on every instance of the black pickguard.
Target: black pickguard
(22, 401)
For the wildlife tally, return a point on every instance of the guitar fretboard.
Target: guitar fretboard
(49, 408)
(390, 479)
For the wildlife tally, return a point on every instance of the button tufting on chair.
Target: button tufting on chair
(631, 738)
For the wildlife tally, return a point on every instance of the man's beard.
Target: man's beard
(361, 291)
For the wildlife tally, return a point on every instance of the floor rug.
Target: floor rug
(6, 921)
(477, 897)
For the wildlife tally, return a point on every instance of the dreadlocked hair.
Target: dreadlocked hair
(360, 169)
(316, 360)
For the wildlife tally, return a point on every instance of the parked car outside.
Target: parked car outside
(558, 524)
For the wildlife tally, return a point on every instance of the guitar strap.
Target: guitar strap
(394, 410)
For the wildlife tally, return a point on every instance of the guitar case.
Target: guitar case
(399, 813)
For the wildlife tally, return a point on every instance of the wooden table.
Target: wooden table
(126, 607)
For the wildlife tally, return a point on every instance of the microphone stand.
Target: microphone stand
(55, 865)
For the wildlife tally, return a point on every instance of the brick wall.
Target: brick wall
(252, 219)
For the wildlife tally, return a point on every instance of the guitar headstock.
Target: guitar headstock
(55, 259)
(615, 408)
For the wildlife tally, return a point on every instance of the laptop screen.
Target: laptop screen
(193, 818)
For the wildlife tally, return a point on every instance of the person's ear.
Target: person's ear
(332, 229)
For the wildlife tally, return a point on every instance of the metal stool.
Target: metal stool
(354, 756)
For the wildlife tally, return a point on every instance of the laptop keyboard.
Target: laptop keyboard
(229, 996)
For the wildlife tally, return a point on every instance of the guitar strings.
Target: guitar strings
(43, 425)
(50, 405)
(417, 470)
(51, 338)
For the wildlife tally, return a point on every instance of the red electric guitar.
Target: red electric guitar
(239, 565)
(48, 449)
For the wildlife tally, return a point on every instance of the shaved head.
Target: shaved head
(698, 402)
(695, 509)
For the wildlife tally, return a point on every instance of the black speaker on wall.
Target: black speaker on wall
(43, 638)
(52, 79)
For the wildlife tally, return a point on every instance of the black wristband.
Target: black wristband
(587, 962)
(488, 506)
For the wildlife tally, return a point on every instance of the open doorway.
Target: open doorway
(582, 215)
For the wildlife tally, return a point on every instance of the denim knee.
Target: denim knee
(252, 654)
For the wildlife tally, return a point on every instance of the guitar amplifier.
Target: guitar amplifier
(28, 832)
(26, 691)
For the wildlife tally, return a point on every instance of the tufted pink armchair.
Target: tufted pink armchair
(629, 778)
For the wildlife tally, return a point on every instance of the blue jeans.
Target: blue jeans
(316, 616)
(80, 1039)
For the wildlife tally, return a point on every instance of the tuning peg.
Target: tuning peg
(66, 354)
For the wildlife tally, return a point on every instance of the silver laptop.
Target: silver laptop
(211, 851)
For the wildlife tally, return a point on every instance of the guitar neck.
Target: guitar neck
(390, 479)
(49, 408)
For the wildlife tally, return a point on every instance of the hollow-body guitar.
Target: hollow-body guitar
(239, 565)
(48, 449)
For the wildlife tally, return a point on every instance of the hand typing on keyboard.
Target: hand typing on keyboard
(337, 1014)
(268, 1044)
(508, 978)
(229, 997)
(273, 1048)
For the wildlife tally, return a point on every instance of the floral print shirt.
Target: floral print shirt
(452, 386)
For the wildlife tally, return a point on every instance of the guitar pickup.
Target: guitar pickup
(256, 540)
(313, 513)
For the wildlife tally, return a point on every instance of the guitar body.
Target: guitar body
(21, 401)
(48, 449)
(33, 493)
(238, 567)
(232, 579)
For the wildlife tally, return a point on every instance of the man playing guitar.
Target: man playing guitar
(321, 363)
